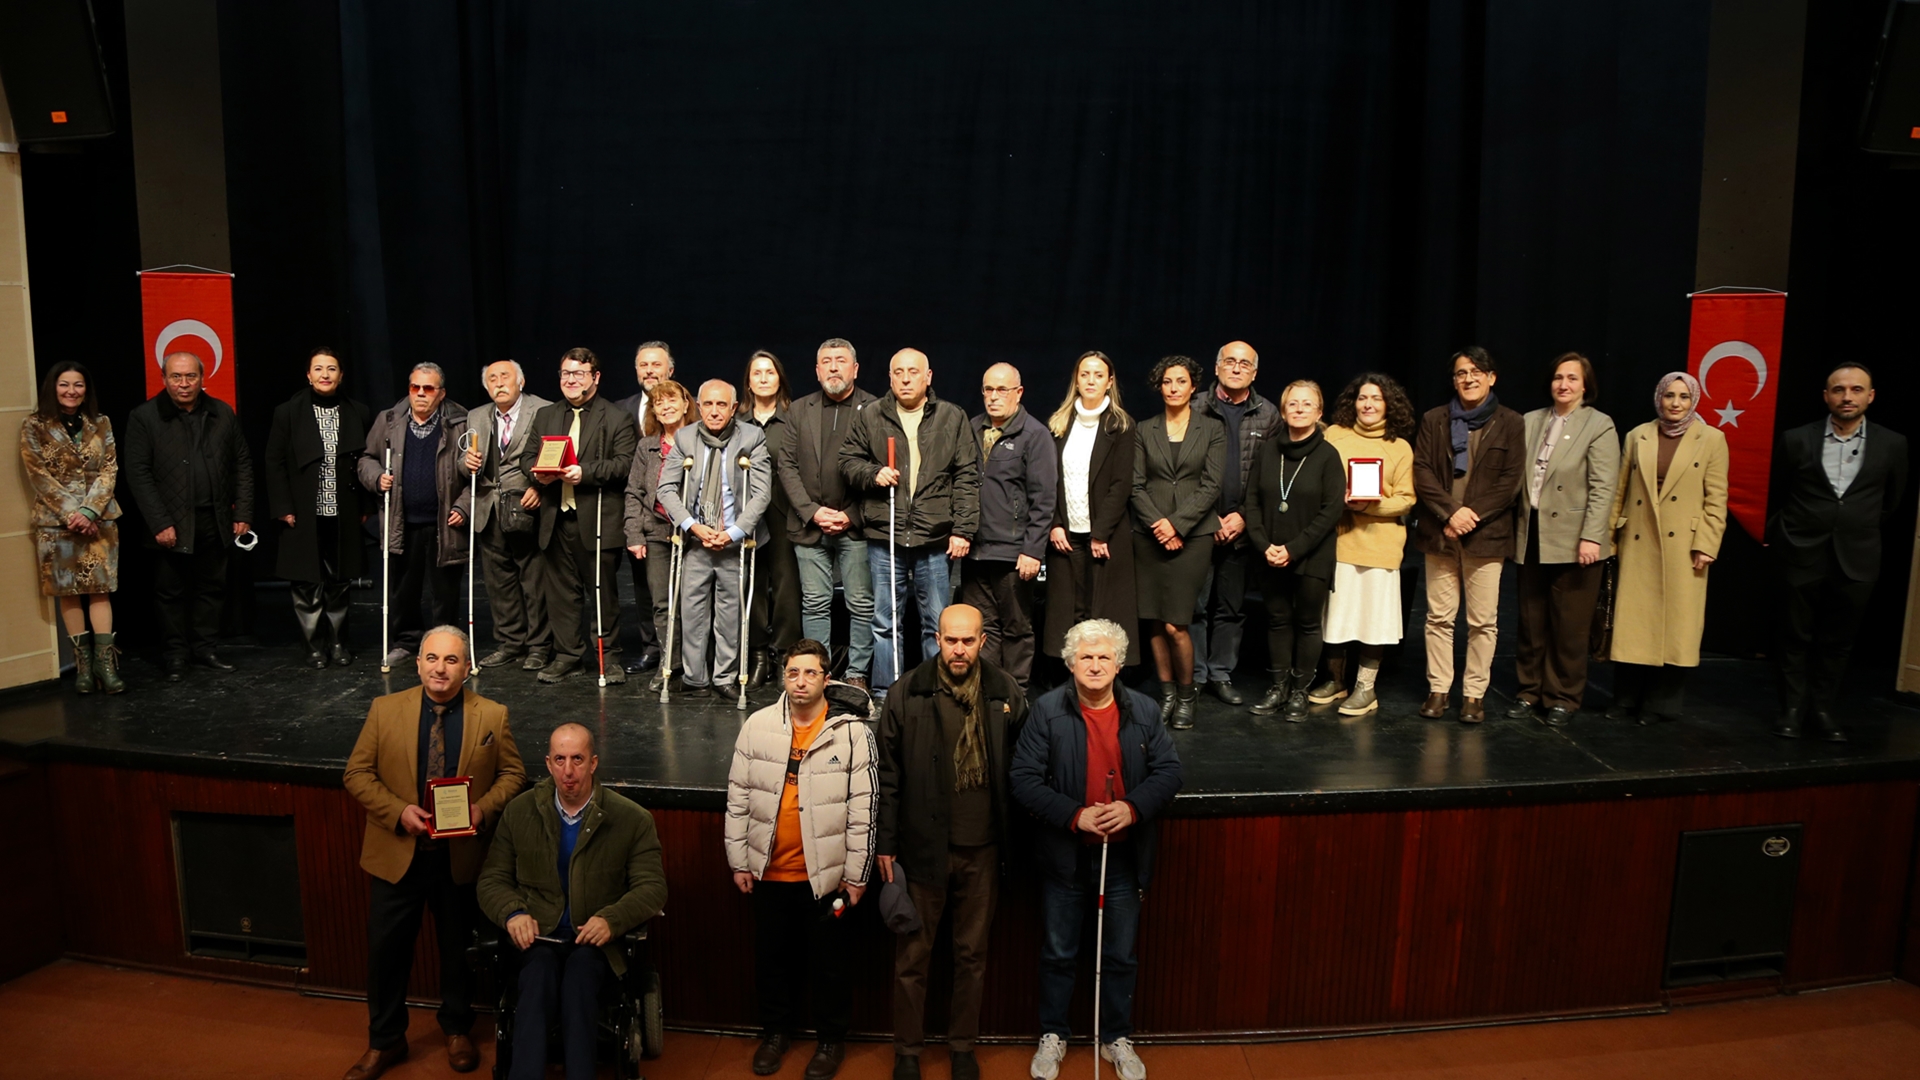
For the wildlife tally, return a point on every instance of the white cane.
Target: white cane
(673, 591)
(741, 587)
(386, 559)
(893, 572)
(599, 634)
(1100, 938)
(471, 442)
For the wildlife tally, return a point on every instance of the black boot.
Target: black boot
(762, 668)
(1183, 703)
(1297, 700)
(1276, 695)
(336, 598)
(1168, 692)
(307, 613)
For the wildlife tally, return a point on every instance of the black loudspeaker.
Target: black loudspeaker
(1733, 904)
(50, 63)
(1891, 122)
(240, 887)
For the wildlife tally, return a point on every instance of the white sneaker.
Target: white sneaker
(1047, 1059)
(1125, 1061)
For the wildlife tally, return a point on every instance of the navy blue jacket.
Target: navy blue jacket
(1049, 774)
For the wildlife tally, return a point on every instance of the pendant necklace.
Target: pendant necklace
(1286, 486)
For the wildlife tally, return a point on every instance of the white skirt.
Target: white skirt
(1364, 605)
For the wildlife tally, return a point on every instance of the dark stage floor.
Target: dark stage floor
(275, 719)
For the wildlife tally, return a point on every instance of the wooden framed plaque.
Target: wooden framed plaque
(450, 808)
(1366, 478)
(556, 454)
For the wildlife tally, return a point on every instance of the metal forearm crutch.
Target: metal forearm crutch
(673, 592)
(893, 572)
(743, 586)
(1100, 939)
(471, 442)
(599, 633)
(386, 559)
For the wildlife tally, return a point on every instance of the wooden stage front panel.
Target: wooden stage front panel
(1309, 922)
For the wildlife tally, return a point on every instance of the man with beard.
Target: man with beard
(944, 738)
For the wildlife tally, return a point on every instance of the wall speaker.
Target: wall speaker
(1891, 122)
(50, 63)
(240, 887)
(1733, 904)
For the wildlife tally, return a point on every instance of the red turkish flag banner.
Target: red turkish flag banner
(189, 313)
(1734, 350)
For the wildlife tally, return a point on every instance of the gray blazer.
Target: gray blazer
(756, 479)
(1577, 497)
(499, 474)
(1179, 483)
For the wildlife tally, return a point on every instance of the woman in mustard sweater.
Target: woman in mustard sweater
(1372, 418)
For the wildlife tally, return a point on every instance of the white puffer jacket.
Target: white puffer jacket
(838, 784)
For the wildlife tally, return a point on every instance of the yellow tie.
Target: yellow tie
(566, 489)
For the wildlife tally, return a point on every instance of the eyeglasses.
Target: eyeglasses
(576, 376)
(421, 388)
(999, 391)
(1468, 374)
(1233, 363)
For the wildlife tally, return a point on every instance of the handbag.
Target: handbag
(1600, 639)
(514, 519)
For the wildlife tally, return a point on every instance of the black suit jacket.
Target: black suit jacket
(608, 439)
(1806, 520)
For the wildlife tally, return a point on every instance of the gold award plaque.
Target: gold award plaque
(451, 804)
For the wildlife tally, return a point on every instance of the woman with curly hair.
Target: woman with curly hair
(1372, 418)
(1178, 460)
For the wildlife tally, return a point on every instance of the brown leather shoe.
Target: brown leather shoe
(1472, 710)
(1435, 708)
(461, 1055)
(374, 1062)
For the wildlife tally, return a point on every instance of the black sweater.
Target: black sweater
(1316, 494)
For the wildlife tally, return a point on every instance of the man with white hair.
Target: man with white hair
(1097, 771)
(718, 503)
(505, 517)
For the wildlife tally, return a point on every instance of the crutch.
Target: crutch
(893, 572)
(673, 591)
(470, 440)
(743, 588)
(599, 635)
(386, 559)
(1100, 938)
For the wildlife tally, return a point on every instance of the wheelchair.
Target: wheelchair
(631, 1024)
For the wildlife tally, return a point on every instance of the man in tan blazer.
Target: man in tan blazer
(443, 729)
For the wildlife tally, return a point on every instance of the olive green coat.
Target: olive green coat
(616, 870)
(1661, 606)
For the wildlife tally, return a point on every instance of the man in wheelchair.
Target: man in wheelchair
(572, 869)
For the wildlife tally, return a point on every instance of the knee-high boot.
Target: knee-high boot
(337, 598)
(306, 612)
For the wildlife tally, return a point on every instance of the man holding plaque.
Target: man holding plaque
(579, 456)
(420, 850)
(592, 872)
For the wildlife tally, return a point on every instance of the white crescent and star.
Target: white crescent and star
(1730, 416)
(180, 328)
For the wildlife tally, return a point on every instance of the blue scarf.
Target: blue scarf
(1464, 423)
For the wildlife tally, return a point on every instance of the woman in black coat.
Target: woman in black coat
(774, 613)
(316, 436)
(1295, 496)
(1090, 558)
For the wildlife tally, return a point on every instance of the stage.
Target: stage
(1330, 876)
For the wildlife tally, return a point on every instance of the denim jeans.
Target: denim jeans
(924, 580)
(1065, 906)
(818, 562)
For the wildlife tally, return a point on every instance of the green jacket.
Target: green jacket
(616, 871)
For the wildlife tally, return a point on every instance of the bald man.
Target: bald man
(718, 504)
(1220, 608)
(945, 736)
(934, 477)
(1019, 478)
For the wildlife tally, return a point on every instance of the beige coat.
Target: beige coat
(838, 781)
(1579, 491)
(1662, 600)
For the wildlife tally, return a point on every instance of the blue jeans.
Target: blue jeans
(1064, 907)
(924, 571)
(817, 563)
(564, 980)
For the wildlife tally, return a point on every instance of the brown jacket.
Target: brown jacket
(1492, 483)
(382, 772)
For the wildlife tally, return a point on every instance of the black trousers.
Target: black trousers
(189, 589)
(516, 591)
(561, 981)
(773, 621)
(643, 601)
(1296, 606)
(419, 561)
(1556, 627)
(799, 946)
(569, 559)
(1006, 604)
(1815, 631)
(393, 922)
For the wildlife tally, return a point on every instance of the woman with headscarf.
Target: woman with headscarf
(1669, 513)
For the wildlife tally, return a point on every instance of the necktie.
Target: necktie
(566, 489)
(506, 430)
(437, 744)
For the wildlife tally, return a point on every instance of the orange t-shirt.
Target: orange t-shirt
(789, 860)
